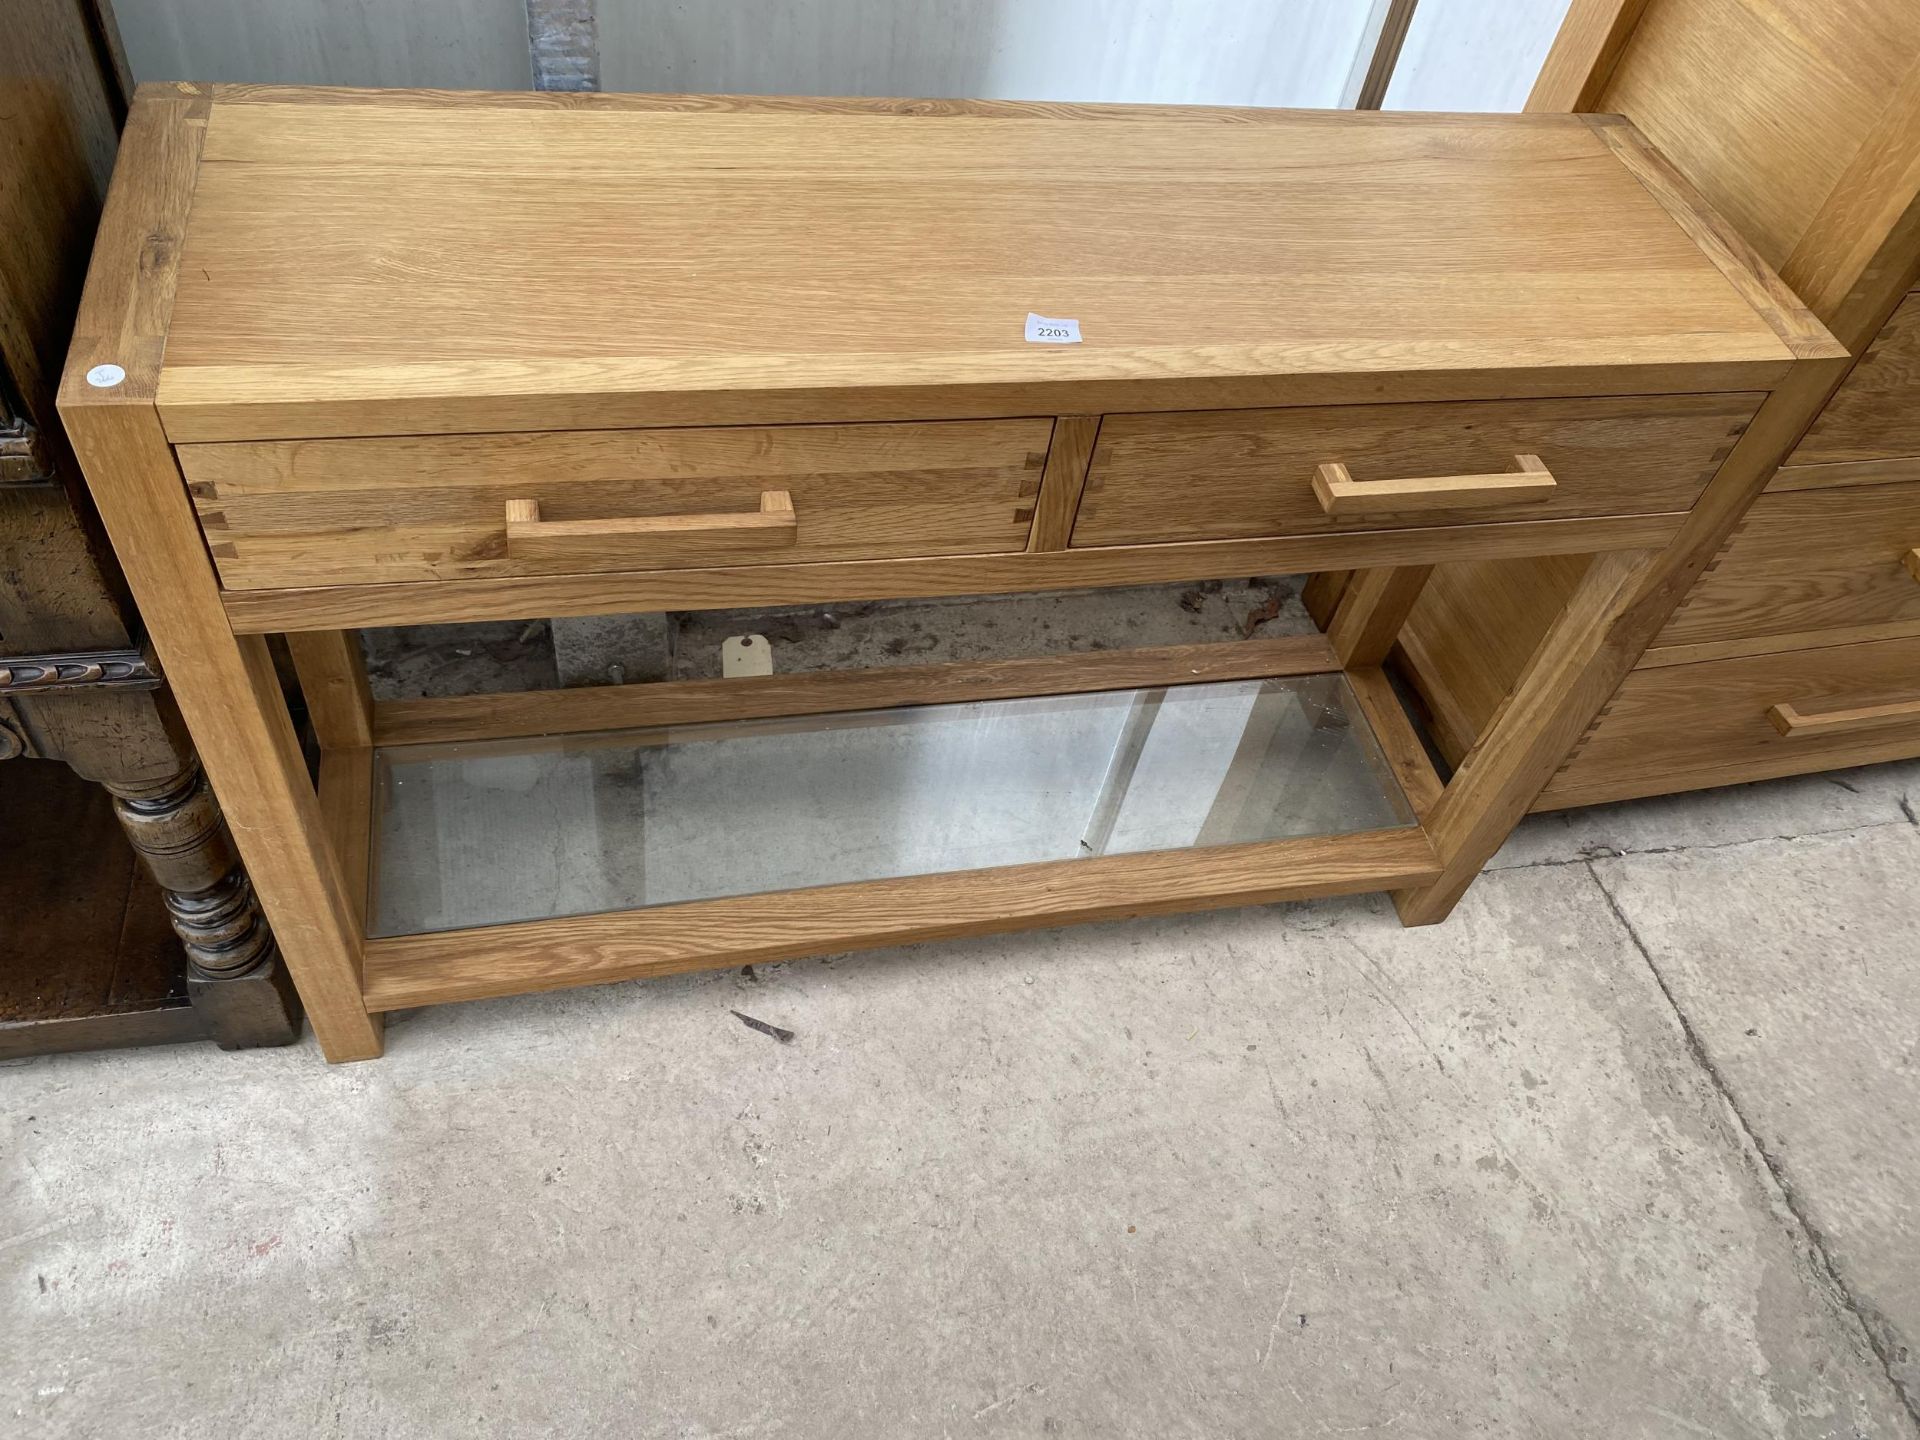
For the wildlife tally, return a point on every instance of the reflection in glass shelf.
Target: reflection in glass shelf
(491, 832)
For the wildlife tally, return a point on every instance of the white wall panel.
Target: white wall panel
(1460, 54)
(1226, 52)
(1221, 52)
(1474, 54)
(463, 44)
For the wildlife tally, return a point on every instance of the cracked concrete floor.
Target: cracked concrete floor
(1630, 1147)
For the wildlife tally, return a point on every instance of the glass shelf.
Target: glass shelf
(493, 832)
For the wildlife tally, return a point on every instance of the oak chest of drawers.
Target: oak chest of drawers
(357, 358)
(1798, 648)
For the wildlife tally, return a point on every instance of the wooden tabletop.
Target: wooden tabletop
(360, 261)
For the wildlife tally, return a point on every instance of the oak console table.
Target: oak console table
(354, 359)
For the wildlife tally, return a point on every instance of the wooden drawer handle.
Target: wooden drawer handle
(1340, 494)
(654, 537)
(1863, 719)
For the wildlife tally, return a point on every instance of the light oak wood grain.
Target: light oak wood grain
(1584, 654)
(1471, 634)
(1340, 495)
(1373, 607)
(1662, 655)
(472, 293)
(1900, 717)
(346, 812)
(1763, 105)
(1876, 414)
(1585, 51)
(333, 682)
(1859, 472)
(642, 542)
(755, 929)
(1399, 739)
(444, 719)
(1745, 269)
(1808, 561)
(1685, 727)
(1065, 478)
(381, 511)
(1799, 121)
(861, 263)
(1863, 244)
(1214, 475)
(343, 606)
(391, 401)
(1465, 681)
(1322, 592)
(225, 686)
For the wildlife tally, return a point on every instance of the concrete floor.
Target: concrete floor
(1630, 1147)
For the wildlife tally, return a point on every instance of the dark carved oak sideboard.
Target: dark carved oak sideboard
(85, 960)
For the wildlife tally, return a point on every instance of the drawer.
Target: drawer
(1720, 722)
(400, 508)
(1875, 415)
(1809, 560)
(1230, 474)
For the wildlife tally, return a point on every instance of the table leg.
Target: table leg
(1373, 606)
(234, 976)
(224, 683)
(230, 697)
(1573, 673)
(333, 678)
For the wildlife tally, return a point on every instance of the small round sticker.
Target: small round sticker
(105, 377)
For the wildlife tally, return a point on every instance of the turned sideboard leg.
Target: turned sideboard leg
(235, 979)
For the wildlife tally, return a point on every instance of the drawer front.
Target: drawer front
(1809, 560)
(1220, 475)
(381, 510)
(1875, 415)
(1720, 722)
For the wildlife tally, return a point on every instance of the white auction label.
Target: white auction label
(1043, 331)
(105, 377)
